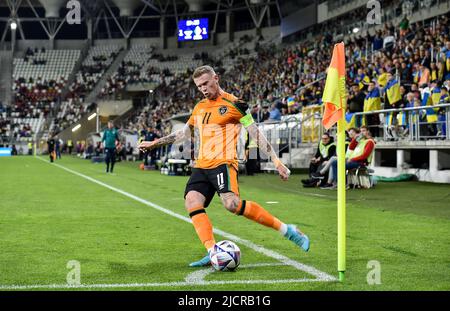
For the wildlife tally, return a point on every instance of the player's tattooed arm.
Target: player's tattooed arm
(266, 147)
(175, 137)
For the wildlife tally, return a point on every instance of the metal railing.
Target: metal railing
(414, 125)
(284, 135)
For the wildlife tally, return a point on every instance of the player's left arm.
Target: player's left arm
(264, 145)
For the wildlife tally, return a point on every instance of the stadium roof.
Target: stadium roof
(120, 18)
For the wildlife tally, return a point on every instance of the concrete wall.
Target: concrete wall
(119, 42)
(148, 41)
(438, 164)
(114, 107)
(70, 44)
(22, 45)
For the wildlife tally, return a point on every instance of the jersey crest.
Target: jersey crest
(223, 110)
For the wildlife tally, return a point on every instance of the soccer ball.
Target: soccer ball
(225, 256)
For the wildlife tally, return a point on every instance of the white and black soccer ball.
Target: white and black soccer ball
(225, 256)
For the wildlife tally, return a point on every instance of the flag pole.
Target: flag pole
(334, 99)
(341, 198)
(341, 186)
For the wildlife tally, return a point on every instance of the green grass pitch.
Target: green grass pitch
(49, 216)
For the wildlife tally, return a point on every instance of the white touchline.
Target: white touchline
(195, 278)
(198, 277)
(320, 276)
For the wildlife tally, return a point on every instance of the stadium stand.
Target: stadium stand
(298, 67)
(277, 80)
(133, 69)
(41, 74)
(39, 78)
(94, 66)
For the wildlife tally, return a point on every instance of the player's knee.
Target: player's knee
(231, 204)
(193, 200)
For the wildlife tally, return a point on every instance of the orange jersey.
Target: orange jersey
(216, 122)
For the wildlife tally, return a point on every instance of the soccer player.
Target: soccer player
(51, 142)
(110, 138)
(217, 119)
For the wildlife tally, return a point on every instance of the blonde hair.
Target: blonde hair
(202, 70)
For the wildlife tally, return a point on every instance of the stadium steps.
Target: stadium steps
(5, 77)
(76, 68)
(92, 97)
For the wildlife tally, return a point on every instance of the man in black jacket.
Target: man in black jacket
(51, 143)
(356, 102)
(325, 150)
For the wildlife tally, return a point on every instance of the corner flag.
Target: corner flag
(334, 98)
(334, 92)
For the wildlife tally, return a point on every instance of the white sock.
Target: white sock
(283, 229)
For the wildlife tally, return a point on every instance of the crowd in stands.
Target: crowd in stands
(31, 98)
(401, 65)
(13, 129)
(38, 82)
(9, 127)
(397, 66)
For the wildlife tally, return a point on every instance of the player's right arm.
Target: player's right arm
(175, 137)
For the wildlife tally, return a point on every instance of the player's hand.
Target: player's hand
(283, 171)
(147, 145)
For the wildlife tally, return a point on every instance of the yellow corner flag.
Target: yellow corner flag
(334, 99)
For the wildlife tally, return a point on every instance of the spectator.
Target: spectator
(58, 147)
(321, 174)
(362, 148)
(129, 149)
(13, 150)
(404, 25)
(98, 149)
(356, 102)
(265, 114)
(392, 92)
(89, 153)
(275, 114)
(372, 102)
(70, 145)
(151, 135)
(325, 150)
